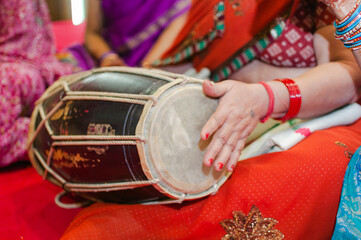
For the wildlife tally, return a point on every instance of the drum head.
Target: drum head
(174, 148)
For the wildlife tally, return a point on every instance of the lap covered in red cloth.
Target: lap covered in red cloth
(27, 208)
(300, 188)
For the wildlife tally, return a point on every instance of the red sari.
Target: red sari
(225, 35)
(242, 21)
(300, 188)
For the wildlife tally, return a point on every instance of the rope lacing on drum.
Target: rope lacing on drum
(96, 143)
(86, 187)
(48, 162)
(184, 80)
(181, 199)
(215, 189)
(111, 96)
(44, 121)
(155, 73)
(101, 187)
(98, 187)
(110, 99)
(43, 116)
(61, 204)
(107, 96)
(48, 169)
(66, 86)
(171, 201)
(99, 137)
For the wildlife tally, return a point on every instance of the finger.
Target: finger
(248, 129)
(121, 62)
(232, 163)
(221, 147)
(212, 89)
(212, 150)
(227, 135)
(219, 116)
(226, 151)
(214, 122)
(230, 158)
(240, 133)
(233, 159)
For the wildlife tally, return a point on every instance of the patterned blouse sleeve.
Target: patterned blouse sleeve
(324, 15)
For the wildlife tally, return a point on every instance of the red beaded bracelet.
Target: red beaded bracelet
(271, 102)
(295, 99)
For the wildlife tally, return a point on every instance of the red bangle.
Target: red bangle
(271, 102)
(295, 99)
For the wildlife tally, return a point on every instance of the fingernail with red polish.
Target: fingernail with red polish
(220, 165)
(210, 161)
(232, 168)
(206, 135)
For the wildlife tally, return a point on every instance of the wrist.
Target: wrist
(262, 98)
(106, 55)
(281, 102)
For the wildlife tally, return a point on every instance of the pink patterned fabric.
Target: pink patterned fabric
(294, 48)
(27, 67)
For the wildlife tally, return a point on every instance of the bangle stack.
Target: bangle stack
(348, 30)
(295, 99)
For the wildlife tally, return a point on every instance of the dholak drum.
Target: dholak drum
(126, 135)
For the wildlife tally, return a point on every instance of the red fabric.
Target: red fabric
(67, 34)
(254, 16)
(27, 207)
(300, 188)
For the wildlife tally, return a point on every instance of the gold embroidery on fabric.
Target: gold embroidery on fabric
(218, 17)
(238, 7)
(348, 152)
(252, 226)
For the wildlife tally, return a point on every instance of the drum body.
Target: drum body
(125, 135)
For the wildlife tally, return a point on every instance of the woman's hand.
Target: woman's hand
(112, 60)
(94, 41)
(240, 108)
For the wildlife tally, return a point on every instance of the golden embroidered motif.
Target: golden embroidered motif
(252, 227)
(348, 152)
(239, 7)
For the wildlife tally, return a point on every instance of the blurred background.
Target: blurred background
(73, 10)
(69, 24)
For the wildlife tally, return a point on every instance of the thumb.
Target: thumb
(212, 89)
